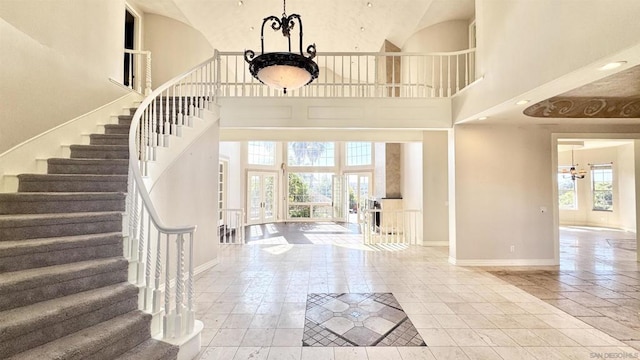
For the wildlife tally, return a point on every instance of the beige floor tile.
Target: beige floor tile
(436, 337)
(449, 353)
(251, 353)
(383, 353)
(216, 353)
(415, 353)
(350, 353)
(284, 353)
(481, 353)
(287, 337)
(317, 353)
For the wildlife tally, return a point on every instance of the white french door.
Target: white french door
(359, 190)
(261, 197)
(339, 197)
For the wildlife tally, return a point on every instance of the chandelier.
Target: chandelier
(575, 174)
(283, 70)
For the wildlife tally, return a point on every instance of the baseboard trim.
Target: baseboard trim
(435, 243)
(206, 266)
(503, 262)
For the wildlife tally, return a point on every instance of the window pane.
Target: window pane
(358, 153)
(567, 190)
(261, 152)
(602, 187)
(303, 153)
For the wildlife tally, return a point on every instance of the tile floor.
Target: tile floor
(253, 304)
(597, 281)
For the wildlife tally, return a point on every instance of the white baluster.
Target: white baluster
(179, 286)
(148, 293)
(191, 314)
(141, 244)
(157, 294)
(166, 125)
(147, 89)
(168, 316)
(134, 227)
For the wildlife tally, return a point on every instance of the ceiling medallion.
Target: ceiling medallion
(283, 70)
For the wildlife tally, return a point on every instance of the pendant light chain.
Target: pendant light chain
(284, 8)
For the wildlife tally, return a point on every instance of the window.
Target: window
(303, 153)
(358, 153)
(567, 190)
(602, 187)
(310, 195)
(261, 152)
(222, 186)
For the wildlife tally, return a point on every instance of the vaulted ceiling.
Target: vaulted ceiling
(334, 26)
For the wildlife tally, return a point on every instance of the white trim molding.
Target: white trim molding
(503, 262)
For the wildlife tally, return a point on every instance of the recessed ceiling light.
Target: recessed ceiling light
(369, 4)
(522, 102)
(612, 65)
(362, 28)
(483, 118)
(251, 28)
(240, 2)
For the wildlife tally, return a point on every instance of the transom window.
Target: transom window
(602, 187)
(306, 153)
(261, 153)
(358, 153)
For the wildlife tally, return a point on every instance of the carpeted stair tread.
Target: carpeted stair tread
(103, 341)
(57, 202)
(151, 349)
(37, 253)
(32, 278)
(7, 221)
(71, 183)
(125, 119)
(22, 320)
(88, 166)
(109, 139)
(116, 129)
(100, 151)
(33, 226)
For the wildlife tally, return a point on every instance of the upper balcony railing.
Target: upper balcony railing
(362, 75)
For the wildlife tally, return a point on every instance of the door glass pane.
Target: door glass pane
(254, 197)
(269, 196)
(338, 197)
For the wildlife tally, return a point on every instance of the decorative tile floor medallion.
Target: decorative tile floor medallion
(371, 319)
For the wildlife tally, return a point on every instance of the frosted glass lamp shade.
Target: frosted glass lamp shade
(285, 71)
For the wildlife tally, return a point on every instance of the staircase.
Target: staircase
(64, 292)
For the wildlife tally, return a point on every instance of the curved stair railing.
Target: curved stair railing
(162, 255)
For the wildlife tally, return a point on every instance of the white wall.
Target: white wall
(502, 178)
(175, 47)
(186, 193)
(627, 185)
(435, 187)
(56, 58)
(623, 214)
(411, 178)
(379, 172)
(230, 151)
(443, 37)
(522, 45)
